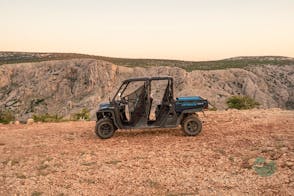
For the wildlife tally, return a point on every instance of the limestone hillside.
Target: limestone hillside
(66, 86)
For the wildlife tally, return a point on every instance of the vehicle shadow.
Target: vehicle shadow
(148, 132)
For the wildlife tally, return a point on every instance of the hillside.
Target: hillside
(225, 159)
(64, 87)
(236, 62)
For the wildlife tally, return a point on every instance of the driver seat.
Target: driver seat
(138, 115)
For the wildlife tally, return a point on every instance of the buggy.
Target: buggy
(134, 106)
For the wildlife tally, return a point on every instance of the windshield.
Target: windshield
(128, 88)
(120, 91)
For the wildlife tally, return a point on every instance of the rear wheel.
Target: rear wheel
(105, 128)
(191, 126)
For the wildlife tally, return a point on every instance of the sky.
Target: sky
(165, 29)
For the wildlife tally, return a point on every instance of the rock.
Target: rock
(232, 110)
(289, 164)
(17, 122)
(284, 149)
(30, 121)
(275, 155)
(251, 161)
(267, 149)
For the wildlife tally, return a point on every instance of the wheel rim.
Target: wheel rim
(192, 126)
(105, 129)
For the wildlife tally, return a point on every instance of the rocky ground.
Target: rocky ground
(238, 152)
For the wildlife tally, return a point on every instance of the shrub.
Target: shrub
(6, 116)
(47, 118)
(84, 114)
(242, 102)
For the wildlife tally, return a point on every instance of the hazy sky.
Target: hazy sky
(173, 29)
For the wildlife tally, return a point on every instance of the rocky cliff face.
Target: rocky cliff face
(66, 86)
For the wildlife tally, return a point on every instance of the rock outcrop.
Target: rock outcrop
(64, 87)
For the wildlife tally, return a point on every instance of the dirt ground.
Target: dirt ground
(68, 159)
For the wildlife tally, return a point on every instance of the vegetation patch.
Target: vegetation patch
(242, 102)
(43, 166)
(264, 168)
(6, 116)
(21, 176)
(84, 114)
(87, 181)
(113, 162)
(36, 193)
(88, 163)
(152, 183)
(47, 118)
(14, 162)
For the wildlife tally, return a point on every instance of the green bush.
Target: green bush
(6, 116)
(242, 102)
(84, 114)
(47, 118)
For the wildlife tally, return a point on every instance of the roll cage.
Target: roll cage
(125, 84)
(132, 110)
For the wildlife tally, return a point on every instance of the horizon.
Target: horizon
(171, 30)
(134, 58)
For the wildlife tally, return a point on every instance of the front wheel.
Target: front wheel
(191, 126)
(105, 128)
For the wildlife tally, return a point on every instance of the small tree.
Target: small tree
(242, 102)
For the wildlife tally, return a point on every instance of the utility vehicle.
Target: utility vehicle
(134, 106)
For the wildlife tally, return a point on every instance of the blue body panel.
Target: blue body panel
(192, 102)
(103, 106)
(191, 98)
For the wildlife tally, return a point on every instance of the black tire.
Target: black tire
(105, 128)
(191, 126)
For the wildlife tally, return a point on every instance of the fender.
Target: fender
(105, 114)
(187, 112)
